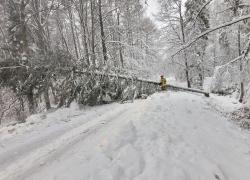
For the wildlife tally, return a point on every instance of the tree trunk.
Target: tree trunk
(46, 98)
(60, 28)
(92, 6)
(85, 36)
(84, 26)
(104, 48)
(30, 98)
(73, 31)
(119, 39)
(241, 67)
(185, 54)
(235, 11)
(187, 70)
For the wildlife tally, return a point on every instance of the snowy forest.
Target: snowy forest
(124, 89)
(54, 52)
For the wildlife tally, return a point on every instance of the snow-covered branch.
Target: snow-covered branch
(209, 31)
(202, 8)
(12, 67)
(243, 55)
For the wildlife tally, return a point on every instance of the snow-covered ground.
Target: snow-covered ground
(169, 136)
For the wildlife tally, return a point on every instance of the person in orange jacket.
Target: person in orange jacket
(163, 83)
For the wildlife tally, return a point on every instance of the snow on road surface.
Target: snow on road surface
(169, 136)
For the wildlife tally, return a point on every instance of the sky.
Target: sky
(152, 9)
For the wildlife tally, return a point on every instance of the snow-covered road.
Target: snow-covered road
(169, 136)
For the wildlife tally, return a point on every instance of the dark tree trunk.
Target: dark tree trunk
(47, 99)
(241, 68)
(119, 39)
(31, 102)
(73, 31)
(83, 21)
(104, 48)
(92, 6)
(185, 54)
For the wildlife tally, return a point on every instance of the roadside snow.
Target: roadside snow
(224, 104)
(207, 84)
(169, 136)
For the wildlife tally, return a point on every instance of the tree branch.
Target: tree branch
(209, 31)
(202, 9)
(13, 67)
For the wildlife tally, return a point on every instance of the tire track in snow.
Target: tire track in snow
(38, 157)
(13, 153)
(171, 137)
(127, 160)
(111, 144)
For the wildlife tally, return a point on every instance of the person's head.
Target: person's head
(162, 76)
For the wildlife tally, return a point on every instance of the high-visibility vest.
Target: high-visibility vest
(163, 82)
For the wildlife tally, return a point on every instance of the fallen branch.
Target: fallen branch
(209, 31)
(188, 90)
(11, 67)
(202, 9)
(232, 7)
(243, 55)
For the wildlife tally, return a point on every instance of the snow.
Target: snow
(207, 84)
(168, 136)
(224, 104)
(173, 81)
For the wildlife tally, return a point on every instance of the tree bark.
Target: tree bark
(92, 7)
(104, 48)
(46, 98)
(60, 28)
(241, 67)
(30, 98)
(119, 39)
(73, 31)
(185, 54)
(83, 21)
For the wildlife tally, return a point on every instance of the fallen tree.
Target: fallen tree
(177, 88)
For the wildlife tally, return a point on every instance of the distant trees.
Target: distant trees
(182, 22)
(237, 7)
(197, 20)
(216, 38)
(231, 41)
